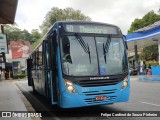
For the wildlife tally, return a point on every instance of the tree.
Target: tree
(24, 35)
(147, 19)
(35, 35)
(159, 11)
(57, 14)
(137, 24)
(14, 33)
(150, 53)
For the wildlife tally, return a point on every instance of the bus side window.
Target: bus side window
(66, 50)
(34, 60)
(31, 62)
(40, 56)
(47, 56)
(37, 59)
(53, 49)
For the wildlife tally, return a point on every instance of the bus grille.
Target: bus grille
(99, 81)
(93, 101)
(103, 92)
(91, 83)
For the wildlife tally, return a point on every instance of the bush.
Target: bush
(152, 63)
(17, 76)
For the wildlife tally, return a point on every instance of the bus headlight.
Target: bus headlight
(125, 83)
(70, 87)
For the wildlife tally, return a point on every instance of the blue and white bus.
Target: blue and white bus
(79, 64)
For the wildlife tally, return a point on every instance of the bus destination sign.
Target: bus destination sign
(85, 28)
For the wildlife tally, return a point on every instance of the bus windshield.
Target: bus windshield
(105, 56)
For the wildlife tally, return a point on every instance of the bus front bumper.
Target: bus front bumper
(72, 100)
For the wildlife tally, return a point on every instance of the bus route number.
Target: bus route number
(70, 28)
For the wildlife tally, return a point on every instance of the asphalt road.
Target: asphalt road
(145, 97)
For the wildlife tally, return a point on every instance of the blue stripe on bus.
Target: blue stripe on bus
(61, 86)
(61, 82)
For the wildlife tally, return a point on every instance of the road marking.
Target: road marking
(150, 104)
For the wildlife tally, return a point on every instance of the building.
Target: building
(7, 16)
(19, 51)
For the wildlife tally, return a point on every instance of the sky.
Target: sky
(31, 13)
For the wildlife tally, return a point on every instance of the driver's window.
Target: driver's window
(66, 50)
(47, 56)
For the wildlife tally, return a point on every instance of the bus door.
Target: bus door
(40, 71)
(47, 69)
(53, 51)
(50, 69)
(29, 72)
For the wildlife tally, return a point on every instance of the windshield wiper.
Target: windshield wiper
(84, 45)
(68, 69)
(106, 47)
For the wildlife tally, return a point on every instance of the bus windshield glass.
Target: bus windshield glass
(96, 56)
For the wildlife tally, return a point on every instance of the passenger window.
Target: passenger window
(34, 59)
(37, 58)
(40, 56)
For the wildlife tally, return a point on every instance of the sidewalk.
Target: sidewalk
(10, 99)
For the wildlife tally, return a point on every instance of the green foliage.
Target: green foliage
(150, 18)
(147, 19)
(14, 33)
(19, 76)
(35, 35)
(36, 43)
(57, 14)
(152, 63)
(150, 53)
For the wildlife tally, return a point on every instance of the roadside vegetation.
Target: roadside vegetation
(19, 76)
(35, 37)
(149, 53)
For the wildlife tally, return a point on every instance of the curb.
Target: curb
(150, 79)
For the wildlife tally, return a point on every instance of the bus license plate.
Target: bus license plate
(100, 98)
